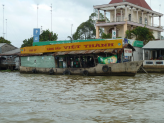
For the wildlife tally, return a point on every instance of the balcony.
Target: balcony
(131, 21)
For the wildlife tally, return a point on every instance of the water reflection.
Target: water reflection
(47, 99)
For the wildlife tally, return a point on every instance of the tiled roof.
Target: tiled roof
(141, 3)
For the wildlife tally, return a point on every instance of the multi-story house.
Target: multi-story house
(126, 15)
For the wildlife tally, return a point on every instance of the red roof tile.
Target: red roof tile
(141, 3)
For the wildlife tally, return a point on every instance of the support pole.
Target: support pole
(152, 19)
(142, 18)
(159, 21)
(143, 54)
(115, 27)
(148, 18)
(131, 13)
(126, 13)
(121, 15)
(137, 17)
(98, 14)
(115, 14)
(97, 32)
(105, 15)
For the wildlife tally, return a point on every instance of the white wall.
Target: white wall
(155, 33)
(138, 54)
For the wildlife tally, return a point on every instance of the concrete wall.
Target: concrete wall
(38, 61)
(155, 33)
(6, 48)
(138, 54)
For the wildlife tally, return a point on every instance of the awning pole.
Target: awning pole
(143, 54)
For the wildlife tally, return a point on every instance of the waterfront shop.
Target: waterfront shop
(153, 56)
(10, 59)
(81, 58)
(138, 53)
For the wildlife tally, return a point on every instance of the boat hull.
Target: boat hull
(118, 69)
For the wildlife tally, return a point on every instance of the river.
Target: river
(39, 98)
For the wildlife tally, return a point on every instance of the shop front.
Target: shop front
(153, 56)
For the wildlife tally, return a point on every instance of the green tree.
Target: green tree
(140, 33)
(86, 30)
(27, 42)
(46, 35)
(105, 36)
(162, 37)
(3, 40)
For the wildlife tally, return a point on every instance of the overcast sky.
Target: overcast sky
(21, 16)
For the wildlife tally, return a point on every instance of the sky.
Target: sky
(21, 16)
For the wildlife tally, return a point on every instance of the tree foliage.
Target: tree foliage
(86, 30)
(3, 40)
(46, 35)
(140, 33)
(106, 36)
(27, 42)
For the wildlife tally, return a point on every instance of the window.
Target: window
(140, 20)
(146, 22)
(159, 35)
(130, 17)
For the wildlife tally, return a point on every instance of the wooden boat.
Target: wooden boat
(117, 69)
(80, 59)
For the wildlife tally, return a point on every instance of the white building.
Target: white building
(126, 15)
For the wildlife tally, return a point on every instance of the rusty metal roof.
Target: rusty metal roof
(30, 54)
(84, 52)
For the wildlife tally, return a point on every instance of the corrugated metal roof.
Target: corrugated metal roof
(1, 44)
(12, 52)
(154, 45)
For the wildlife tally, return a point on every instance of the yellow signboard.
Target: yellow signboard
(105, 44)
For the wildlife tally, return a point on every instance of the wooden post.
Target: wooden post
(80, 62)
(66, 62)
(94, 60)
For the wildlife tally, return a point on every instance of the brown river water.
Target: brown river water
(39, 98)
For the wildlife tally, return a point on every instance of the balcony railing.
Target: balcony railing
(118, 19)
(153, 62)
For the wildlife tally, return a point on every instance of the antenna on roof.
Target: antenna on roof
(159, 7)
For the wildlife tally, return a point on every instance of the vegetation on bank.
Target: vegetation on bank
(141, 34)
(3, 40)
(87, 30)
(8, 70)
(46, 35)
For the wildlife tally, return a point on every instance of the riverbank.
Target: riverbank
(8, 70)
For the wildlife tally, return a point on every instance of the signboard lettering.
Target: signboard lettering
(108, 44)
(127, 52)
(113, 34)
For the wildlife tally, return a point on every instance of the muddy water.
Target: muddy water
(29, 98)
